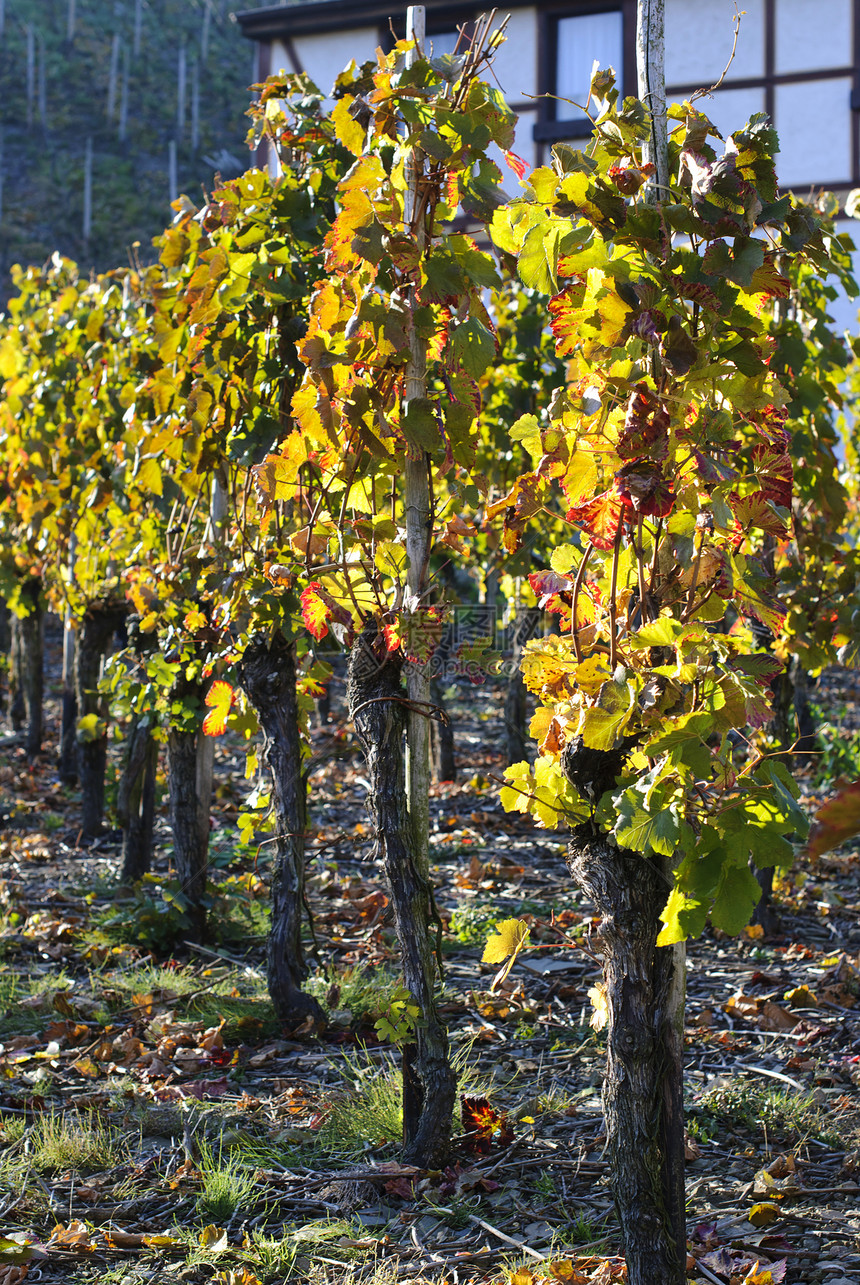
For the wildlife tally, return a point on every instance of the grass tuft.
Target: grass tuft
(61, 1142)
(227, 1184)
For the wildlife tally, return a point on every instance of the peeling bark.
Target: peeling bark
(642, 1091)
(377, 703)
(268, 676)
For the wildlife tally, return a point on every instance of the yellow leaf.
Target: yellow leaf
(213, 1239)
(801, 997)
(219, 698)
(509, 938)
(758, 1275)
(160, 1242)
(522, 1276)
(763, 1214)
(592, 674)
(600, 1016)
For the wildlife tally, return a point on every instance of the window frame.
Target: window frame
(548, 129)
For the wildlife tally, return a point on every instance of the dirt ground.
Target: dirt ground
(157, 1124)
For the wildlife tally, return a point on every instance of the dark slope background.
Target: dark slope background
(113, 75)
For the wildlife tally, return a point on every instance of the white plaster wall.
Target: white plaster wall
(325, 56)
(807, 152)
(524, 147)
(699, 37)
(515, 64)
(280, 62)
(582, 40)
(730, 109)
(811, 34)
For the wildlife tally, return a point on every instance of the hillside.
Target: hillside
(111, 71)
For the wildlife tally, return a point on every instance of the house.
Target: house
(797, 60)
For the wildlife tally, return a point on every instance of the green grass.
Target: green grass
(370, 1115)
(226, 1186)
(779, 1113)
(59, 1142)
(365, 994)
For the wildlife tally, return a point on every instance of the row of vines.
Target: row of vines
(363, 386)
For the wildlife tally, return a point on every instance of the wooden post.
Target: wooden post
(180, 93)
(195, 105)
(138, 25)
(418, 518)
(42, 89)
(123, 95)
(671, 961)
(113, 73)
(172, 180)
(651, 78)
(31, 72)
(88, 192)
(204, 32)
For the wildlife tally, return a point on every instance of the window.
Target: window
(572, 38)
(582, 41)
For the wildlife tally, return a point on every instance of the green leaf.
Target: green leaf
(737, 896)
(473, 346)
(683, 917)
(420, 426)
(538, 261)
(659, 633)
(602, 722)
(644, 831)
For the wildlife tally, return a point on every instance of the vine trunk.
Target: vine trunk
(100, 623)
(268, 676)
(377, 704)
(643, 1087)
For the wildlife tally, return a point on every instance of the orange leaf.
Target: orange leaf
(835, 821)
(219, 698)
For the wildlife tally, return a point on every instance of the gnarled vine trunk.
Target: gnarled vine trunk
(100, 623)
(643, 1087)
(189, 778)
(268, 676)
(377, 703)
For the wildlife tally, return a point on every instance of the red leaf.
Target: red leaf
(483, 1125)
(219, 698)
(646, 425)
(772, 467)
(547, 584)
(600, 517)
(836, 821)
(315, 612)
(516, 163)
(755, 511)
(565, 310)
(644, 490)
